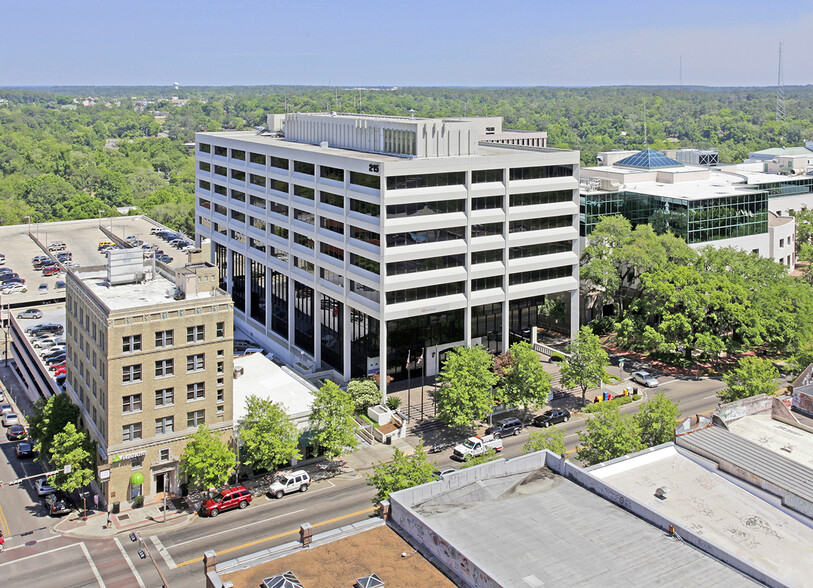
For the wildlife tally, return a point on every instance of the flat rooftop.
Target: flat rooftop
(739, 521)
(788, 441)
(483, 149)
(266, 379)
(151, 292)
(341, 562)
(542, 529)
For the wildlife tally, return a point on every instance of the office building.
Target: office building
(354, 243)
(149, 360)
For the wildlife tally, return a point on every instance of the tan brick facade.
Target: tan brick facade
(147, 375)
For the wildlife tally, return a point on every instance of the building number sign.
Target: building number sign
(373, 167)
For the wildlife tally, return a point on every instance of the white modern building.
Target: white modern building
(352, 243)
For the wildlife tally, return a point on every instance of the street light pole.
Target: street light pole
(166, 481)
(100, 218)
(28, 216)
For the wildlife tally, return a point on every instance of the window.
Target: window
(533, 198)
(332, 199)
(220, 151)
(535, 173)
(238, 195)
(429, 236)
(540, 249)
(364, 263)
(539, 224)
(303, 192)
(303, 167)
(164, 455)
(131, 432)
(194, 334)
(486, 175)
(164, 425)
(237, 154)
(163, 338)
(486, 256)
(279, 186)
(487, 202)
(257, 180)
(487, 229)
(486, 283)
(220, 367)
(335, 252)
(238, 216)
(278, 162)
(331, 173)
(426, 180)
(131, 403)
(331, 225)
(425, 292)
(366, 180)
(257, 201)
(220, 330)
(540, 275)
(203, 166)
(131, 373)
(257, 158)
(425, 208)
(303, 240)
(363, 207)
(195, 418)
(165, 397)
(131, 343)
(195, 391)
(195, 362)
(204, 185)
(426, 264)
(220, 170)
(164, 367)
(237, 174)
(204, 148)
(276, 208)
(303, 216)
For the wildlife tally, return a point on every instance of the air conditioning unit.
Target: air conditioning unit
(238, 371)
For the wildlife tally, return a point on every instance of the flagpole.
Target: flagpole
(409, 388)
(422, 381)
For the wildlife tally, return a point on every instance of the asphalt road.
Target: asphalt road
(178, 551)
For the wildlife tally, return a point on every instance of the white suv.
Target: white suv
(298, 480)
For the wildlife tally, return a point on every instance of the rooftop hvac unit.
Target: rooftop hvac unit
(238, 371)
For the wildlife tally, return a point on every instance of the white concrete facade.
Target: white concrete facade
(420, 220)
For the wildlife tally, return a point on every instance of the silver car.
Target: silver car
(645, 379)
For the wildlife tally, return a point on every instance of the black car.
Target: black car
(505, 427)
(551, 417)
(57, 504)
(9, 276)
(45, 328)
(24, 450)
(16, 432)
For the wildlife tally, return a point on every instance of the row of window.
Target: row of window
(166, 397)
(163, 425)
(194, 334)
(166, 367)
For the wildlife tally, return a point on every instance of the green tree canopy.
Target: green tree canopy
(527, 384)
(207, 461)
(585, 368)
(485, 457)
(334, 429)
(751, 376)
(466, 381)
(404, 471)
(50, 417)
(72, 447)
(551, 438)
(364, 392)
(268, 437)
(608, 434)
(656, 420)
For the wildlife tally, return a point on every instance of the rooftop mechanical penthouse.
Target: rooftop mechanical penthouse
(353, 243)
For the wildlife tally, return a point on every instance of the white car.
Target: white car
(293, 482)
(4, 408)
(10, 418)
(52, 350)
(43, 488)
(645, 379)
(44, 342)
(12, 288)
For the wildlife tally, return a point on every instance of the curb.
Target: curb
(171, 523)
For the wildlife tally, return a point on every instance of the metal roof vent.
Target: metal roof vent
(284, 580)
(371, 581)
(662, 492)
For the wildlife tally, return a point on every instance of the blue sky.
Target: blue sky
(437, 43)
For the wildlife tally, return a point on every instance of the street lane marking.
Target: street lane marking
(4, 523)
(285, 534)
(38, 554)
(712, 396)
(38, 541)
(92, 565)
(163, 551)
(231, 529)
(129, 563)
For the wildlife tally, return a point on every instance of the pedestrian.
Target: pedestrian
(108, 519)
(96, 501)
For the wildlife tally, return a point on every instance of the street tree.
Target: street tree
(71, 447)
(268, 437)
(467, 380)
(751, 376)
(207, 461)
(551, 438)
(334, 429)
(485, 457)
(48, 418)
(607, 435)
(526, 383)
(364, 393)
(404, 471)
(585, 368)
(656, 420)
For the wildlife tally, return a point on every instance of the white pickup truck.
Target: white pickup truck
(474, 446)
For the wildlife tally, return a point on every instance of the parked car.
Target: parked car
(505, 427)
(2, 258)
(645, 379)
(56, 246)
(6, 270)
(60, 381)
(164, 258)
(103, 244)
(6, 407)
(10, 418)
(60, 285)
(64, 255)
(57, 504)
(50, 328)
(56, 349)
(56, 359)
(51, 270)
(30, 313)
(44, 342)
(475, 446)
(9, 276)
(43, 288)
(16, 432)
(237, 497)
(71, 264)
(130, 238)
(243, 344)
(551, 417)
(43, 488)
(60, 370)
(15, 287)
(24, 450)
(297, 481)
(39, 260)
